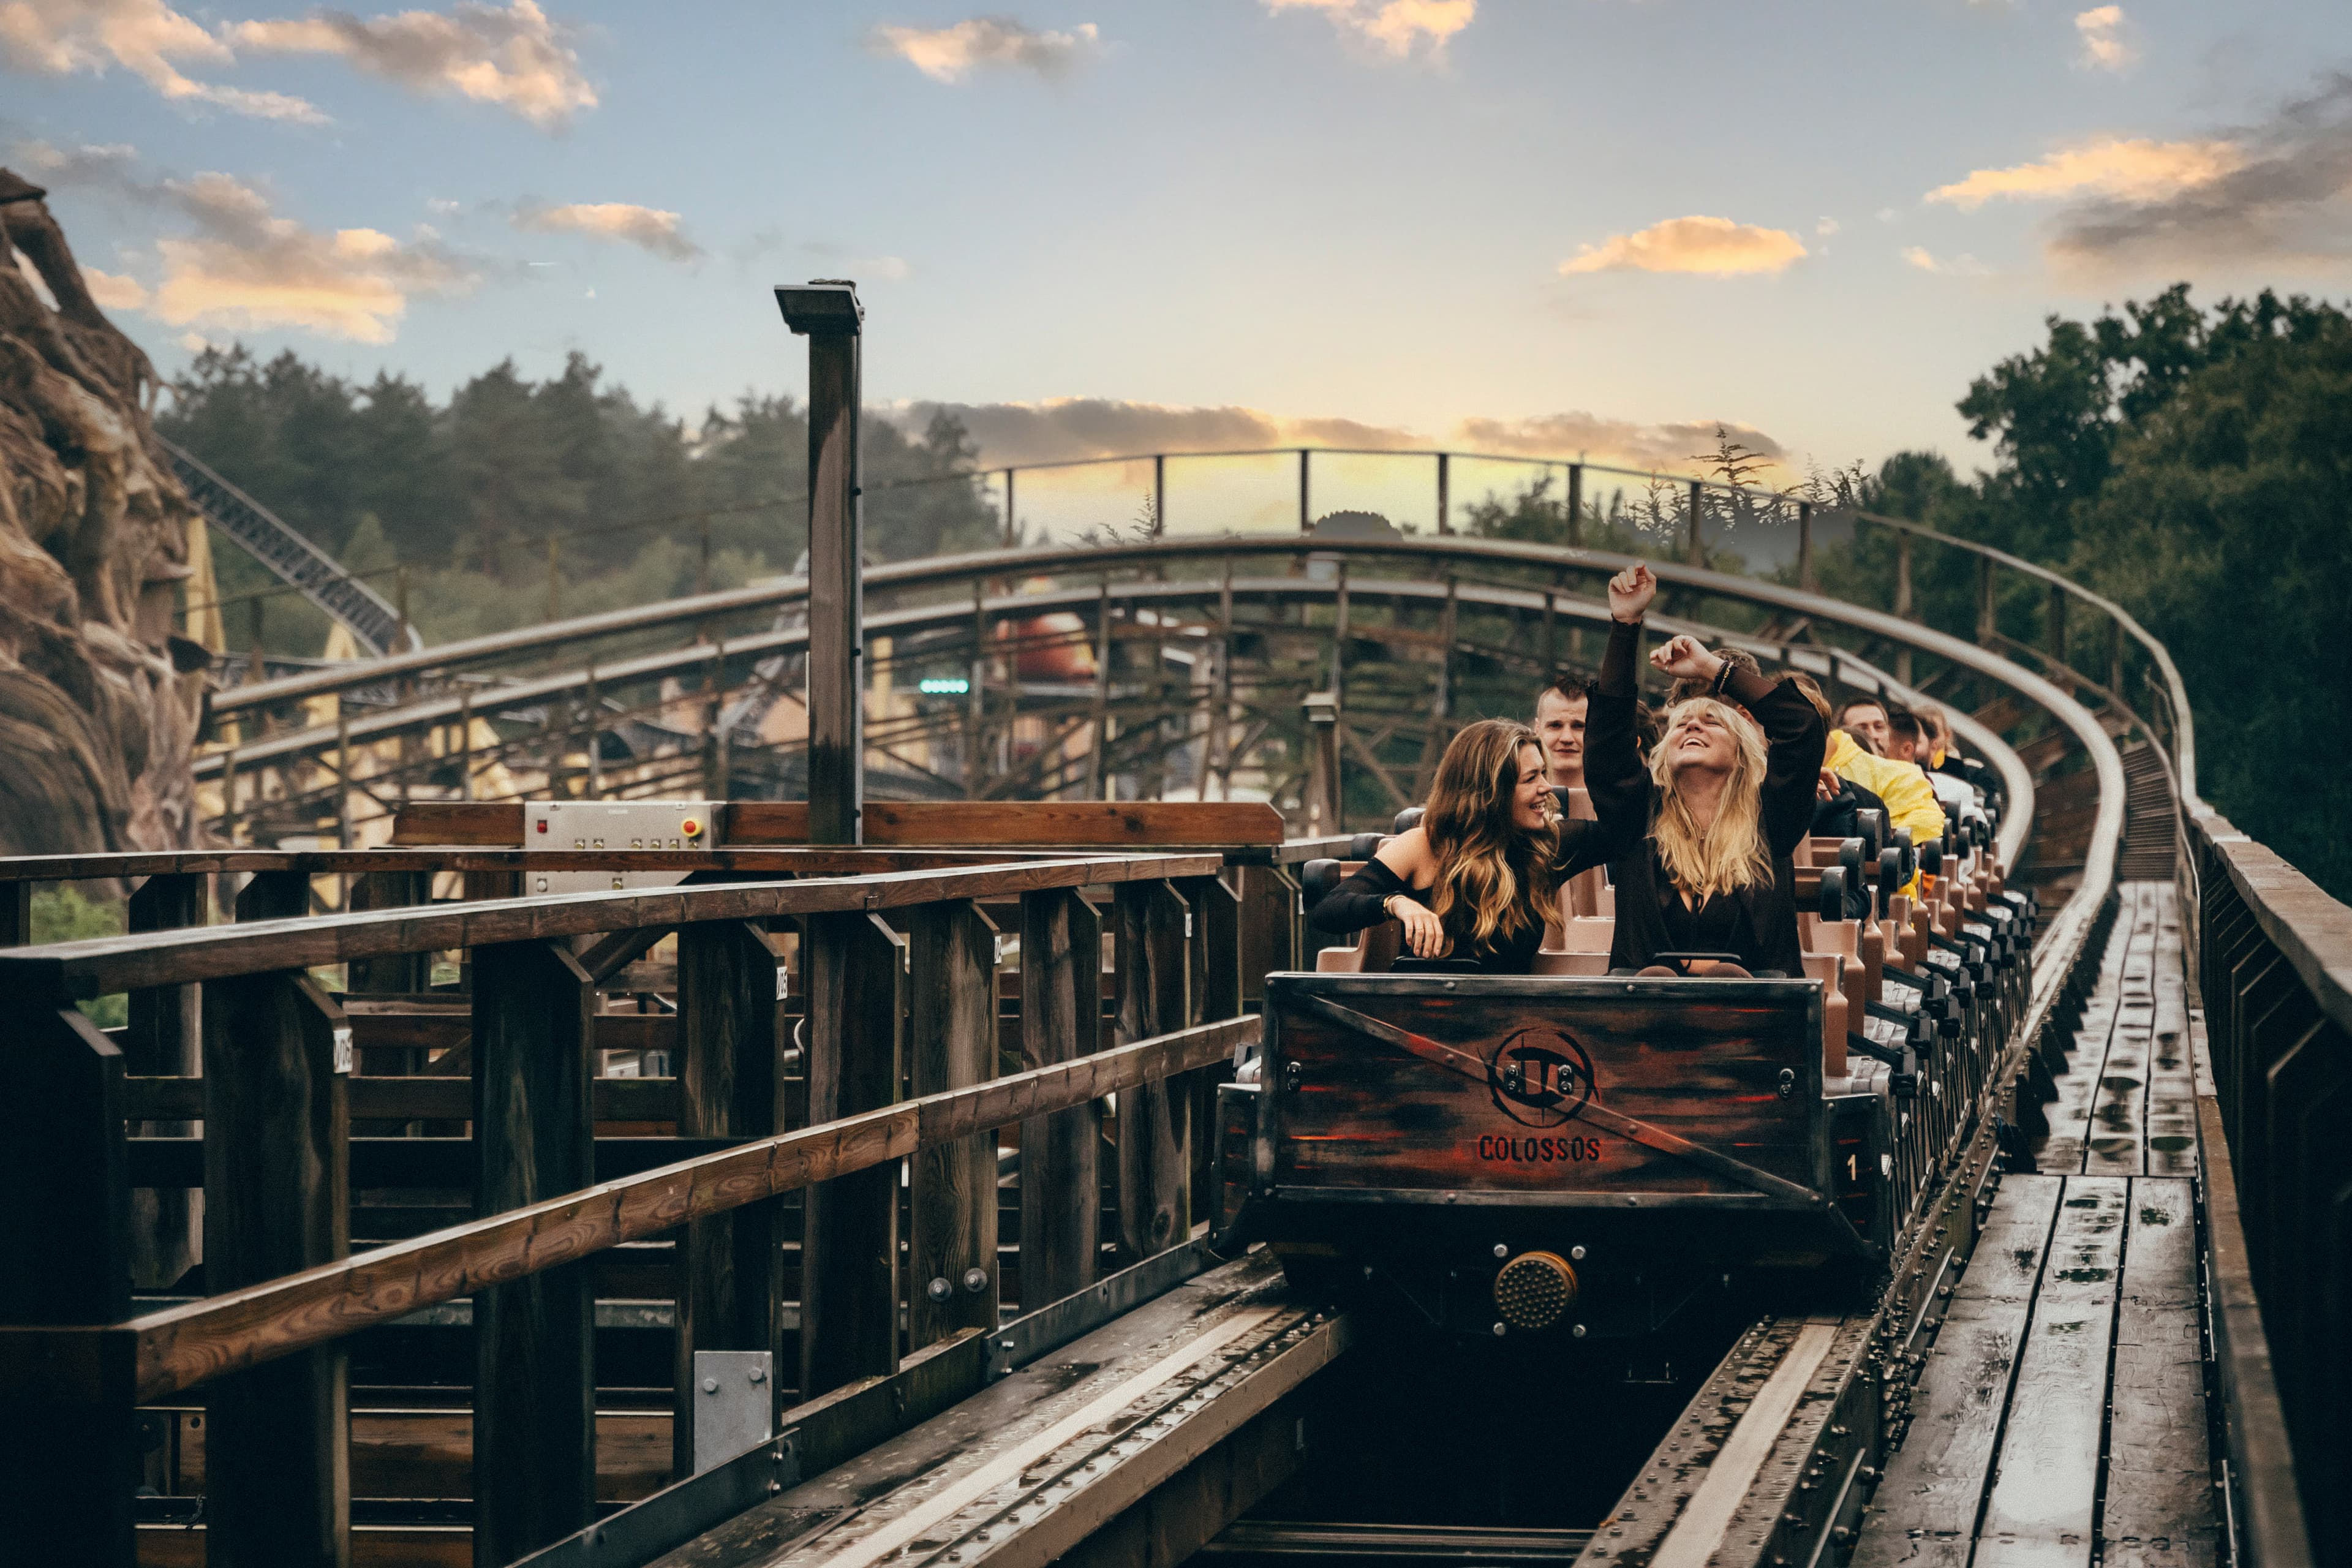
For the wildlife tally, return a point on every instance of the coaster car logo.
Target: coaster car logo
(1539, 1078)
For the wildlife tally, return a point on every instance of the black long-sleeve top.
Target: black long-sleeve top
(1757, 924)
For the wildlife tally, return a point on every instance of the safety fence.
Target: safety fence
(826, 1015)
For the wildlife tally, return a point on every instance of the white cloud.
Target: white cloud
(1961, 265)
(1825, 227)
(114, 291)
(2101, 28)
(649, 227)
(247, 269)
(194, 342)
(948, 54)
(1394, 26)
(2138, 171)
(513, 57)
(145, 37)
(1715, 246)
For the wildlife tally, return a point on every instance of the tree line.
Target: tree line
(466, 493)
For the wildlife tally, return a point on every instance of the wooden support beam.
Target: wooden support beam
(164, 1040)
(951, 1278)
(849, 1250)
(276, 1060)
(534, 1388)
(16, 914)
(1061, 1014)
(1214, 959)
(1155, 1124)
(731, 1081)
(274, 896)
(401, 972)
(65, 1258)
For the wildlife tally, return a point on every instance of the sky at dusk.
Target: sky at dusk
(1550, 227)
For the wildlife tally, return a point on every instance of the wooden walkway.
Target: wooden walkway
(2063, 1406)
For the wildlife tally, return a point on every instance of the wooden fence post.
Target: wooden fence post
(951, 1278)
(1155, 1123)
(1215, 959)
(65, 1257)
(277, 1186)
(402, 971)
(1061, 1017)
(730, 1084)
(535, 1381)
(274, 896)
(849, 1238)
(164, 1040)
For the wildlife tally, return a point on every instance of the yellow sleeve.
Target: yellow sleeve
(1911, 801)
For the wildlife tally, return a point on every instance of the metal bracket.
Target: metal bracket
(734, 1404)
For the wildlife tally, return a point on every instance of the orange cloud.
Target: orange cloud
(513, 57)
(1715, 246)
(948, 54)
(113, 291)
(650, 227)
(2102, 31)
(1394, 25)
(145, 37)
(2137, 170)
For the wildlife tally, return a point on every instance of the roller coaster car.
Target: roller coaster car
(1533, 1153)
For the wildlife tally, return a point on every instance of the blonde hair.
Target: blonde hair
(1731, 854)
(1495, 879)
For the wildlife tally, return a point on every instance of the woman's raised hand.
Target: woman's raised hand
(1631, 591)
(1684, 659)
(1422, 933)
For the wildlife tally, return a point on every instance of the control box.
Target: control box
(567, 826)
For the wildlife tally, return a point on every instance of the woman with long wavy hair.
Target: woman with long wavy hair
(1476, 879)
(1699, 840)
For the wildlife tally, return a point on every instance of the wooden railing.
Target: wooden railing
(886, 959)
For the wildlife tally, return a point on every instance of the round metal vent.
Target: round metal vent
(1534, 1290)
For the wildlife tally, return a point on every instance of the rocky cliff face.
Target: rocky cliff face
(98, 702)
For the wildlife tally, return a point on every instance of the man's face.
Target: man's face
(1560, 722)
(1868, 720)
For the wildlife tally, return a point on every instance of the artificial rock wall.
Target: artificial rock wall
(99, 700)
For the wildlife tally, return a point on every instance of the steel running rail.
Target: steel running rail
(373, 624)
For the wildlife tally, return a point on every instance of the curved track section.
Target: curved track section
(373, 623)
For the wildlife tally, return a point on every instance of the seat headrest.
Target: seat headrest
(1409, 818)
(1318, 877)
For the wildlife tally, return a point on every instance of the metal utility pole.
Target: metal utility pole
(827, 313)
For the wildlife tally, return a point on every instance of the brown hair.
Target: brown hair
(1811, 690)
(1494, 879)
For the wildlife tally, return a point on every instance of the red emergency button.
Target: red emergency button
(691, 827)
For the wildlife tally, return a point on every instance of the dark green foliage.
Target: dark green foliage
(468, 495)
(2195, 466)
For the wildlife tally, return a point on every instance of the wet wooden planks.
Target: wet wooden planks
(2062, 1403)
(2127, 1104)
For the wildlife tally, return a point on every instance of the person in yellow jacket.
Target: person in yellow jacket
(1910, 800)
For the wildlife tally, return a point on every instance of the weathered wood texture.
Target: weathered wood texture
(951, 1278)
(2045, 1484)
(2157, 1511)
(395, 972)
(183, 1346)
(106, 964)
(1155, 1122)
(276, 1156)
(1061, 1015)
(731, 1084)
(1927, 1506)
(1554, 1086)
(71, 1458)
(534, 1385)
(165, 1038)
(849, 1250)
